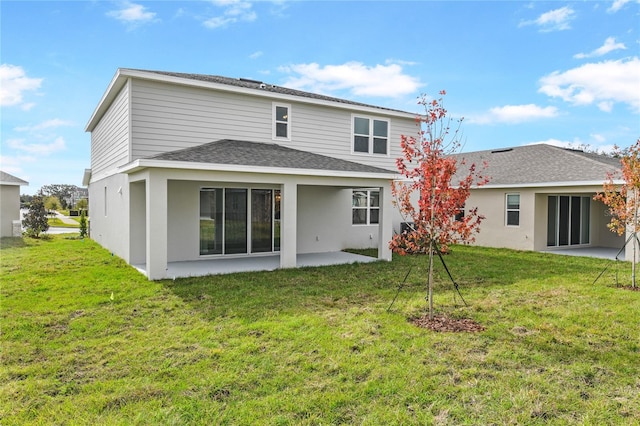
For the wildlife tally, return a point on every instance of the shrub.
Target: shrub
(35, 220)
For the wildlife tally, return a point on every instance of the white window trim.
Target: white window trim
(368, 207)
(371, 137)
(507, 209)
(274, 122)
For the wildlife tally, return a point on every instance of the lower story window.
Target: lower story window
(365, 207)
(513, 209)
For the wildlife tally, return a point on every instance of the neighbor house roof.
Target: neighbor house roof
(254, 156)
(7, 179)
(542, 165)
(239, 85)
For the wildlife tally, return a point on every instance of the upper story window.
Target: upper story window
(370, 136)
(513, 209)
(281, 121)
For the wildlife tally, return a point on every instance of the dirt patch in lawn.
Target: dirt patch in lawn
(442, 323)
(628, 287)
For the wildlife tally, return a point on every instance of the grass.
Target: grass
(88, 340)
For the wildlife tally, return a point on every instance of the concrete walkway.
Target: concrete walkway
(66, 220)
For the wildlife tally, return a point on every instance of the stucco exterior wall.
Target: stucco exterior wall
(494, 232)
(9, 208)
(109, 207)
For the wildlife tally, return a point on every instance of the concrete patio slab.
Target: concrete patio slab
(599, 252)
(196, 268)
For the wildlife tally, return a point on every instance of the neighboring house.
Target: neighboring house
(187, 167)
(76, 195)
(10, 204)
(540, 197)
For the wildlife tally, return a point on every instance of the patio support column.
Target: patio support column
(289, 225)
(385, 225)
(156, 197)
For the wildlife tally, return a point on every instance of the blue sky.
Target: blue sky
(566, 73)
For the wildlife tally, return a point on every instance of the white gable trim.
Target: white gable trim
(123, 74)
(140, 164)
(548, 184)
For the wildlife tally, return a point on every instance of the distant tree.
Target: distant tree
(35, 220)
(25, 199)
(64, 192)
(82, 204)
(429, 169)
(624, 200)
(52, 203)
(83, 223)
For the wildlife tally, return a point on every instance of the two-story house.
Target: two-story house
(188, 167)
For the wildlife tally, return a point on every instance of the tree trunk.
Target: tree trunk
(430, 285)
(635, 237)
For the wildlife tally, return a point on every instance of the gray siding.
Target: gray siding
(169, 117)
(110, 138)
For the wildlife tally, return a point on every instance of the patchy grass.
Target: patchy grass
(88, 340)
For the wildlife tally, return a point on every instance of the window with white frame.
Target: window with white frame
(513, 210)
(370, 136)
(365, 207)
(281, 121)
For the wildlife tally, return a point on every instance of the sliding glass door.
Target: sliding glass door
(239, 220)
(568, 220)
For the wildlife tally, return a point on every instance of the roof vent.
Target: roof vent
(498, 151)
(248, 80)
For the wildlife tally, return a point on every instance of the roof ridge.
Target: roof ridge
(260, 85)
(585, 155)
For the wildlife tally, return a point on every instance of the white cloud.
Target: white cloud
(609, 46)
(48, 124)
(554, 20)
(233, 11)
(132, 14)
(14, 164)
(603, 83)
(13, 83)
(36, 148)
(256, 55)
(619, 4)
(359, 79)
(513, 114)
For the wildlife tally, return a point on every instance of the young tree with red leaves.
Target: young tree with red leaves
(428, 170)
(623, 200)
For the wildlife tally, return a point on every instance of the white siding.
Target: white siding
(169, 117)
(110, 138)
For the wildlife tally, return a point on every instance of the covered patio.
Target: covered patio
(197, 268)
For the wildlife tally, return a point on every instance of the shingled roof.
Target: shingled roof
(244, 153)
(261, 86)
(7, 179)
(542, 164)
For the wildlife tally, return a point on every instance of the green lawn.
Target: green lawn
(87, 340)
